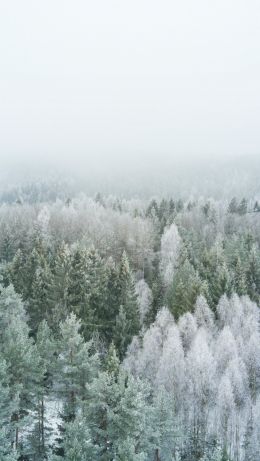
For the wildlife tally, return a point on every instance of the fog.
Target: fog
(141, 79)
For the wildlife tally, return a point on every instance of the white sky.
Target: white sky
(106, 78)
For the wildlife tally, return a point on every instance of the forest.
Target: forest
(129, 328)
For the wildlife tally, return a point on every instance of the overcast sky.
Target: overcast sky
(136, 79)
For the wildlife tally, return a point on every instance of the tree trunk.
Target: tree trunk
(157, 457)
(42, 424)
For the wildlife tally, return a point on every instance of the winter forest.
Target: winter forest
(129, 328)
(129, 230)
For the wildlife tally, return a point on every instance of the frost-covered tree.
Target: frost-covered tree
(144, 298)
(77, 365)
(24, 369)
(7, 408)
(170, 249)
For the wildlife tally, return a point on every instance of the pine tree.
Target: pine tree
(77, 365)
(23, 362)
(42, 430)
(78, 445)
(118, 416)
(7, 408)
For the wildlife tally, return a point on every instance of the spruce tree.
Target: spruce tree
(60, 285)
(78, 286)
(221, 284)
(92, 315)
(111, 302)
(17, 273)
(128, 317)
(186, 287)
(40, 302)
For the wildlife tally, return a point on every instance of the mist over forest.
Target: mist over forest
(129, 230)
(184, 177)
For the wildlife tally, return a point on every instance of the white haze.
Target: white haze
(112, 81)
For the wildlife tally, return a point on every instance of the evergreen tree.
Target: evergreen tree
(221, 283)
(253, 274)
(40, 437)
(166, 431)
(77, 365)
(242, 207)
(77, 444)
(96, 286)
(240, 285)
(233, 206)
(112, 362)
(60, 285)
(186, 287)
(17, 273)
(111, 305)
(6, 245)
(119, 417)
(128, 318)
(23, 362)
(7, 408)
(40, 302)
(78, 286)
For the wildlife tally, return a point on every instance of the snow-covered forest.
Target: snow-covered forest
(129, 230)
(129, 328)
